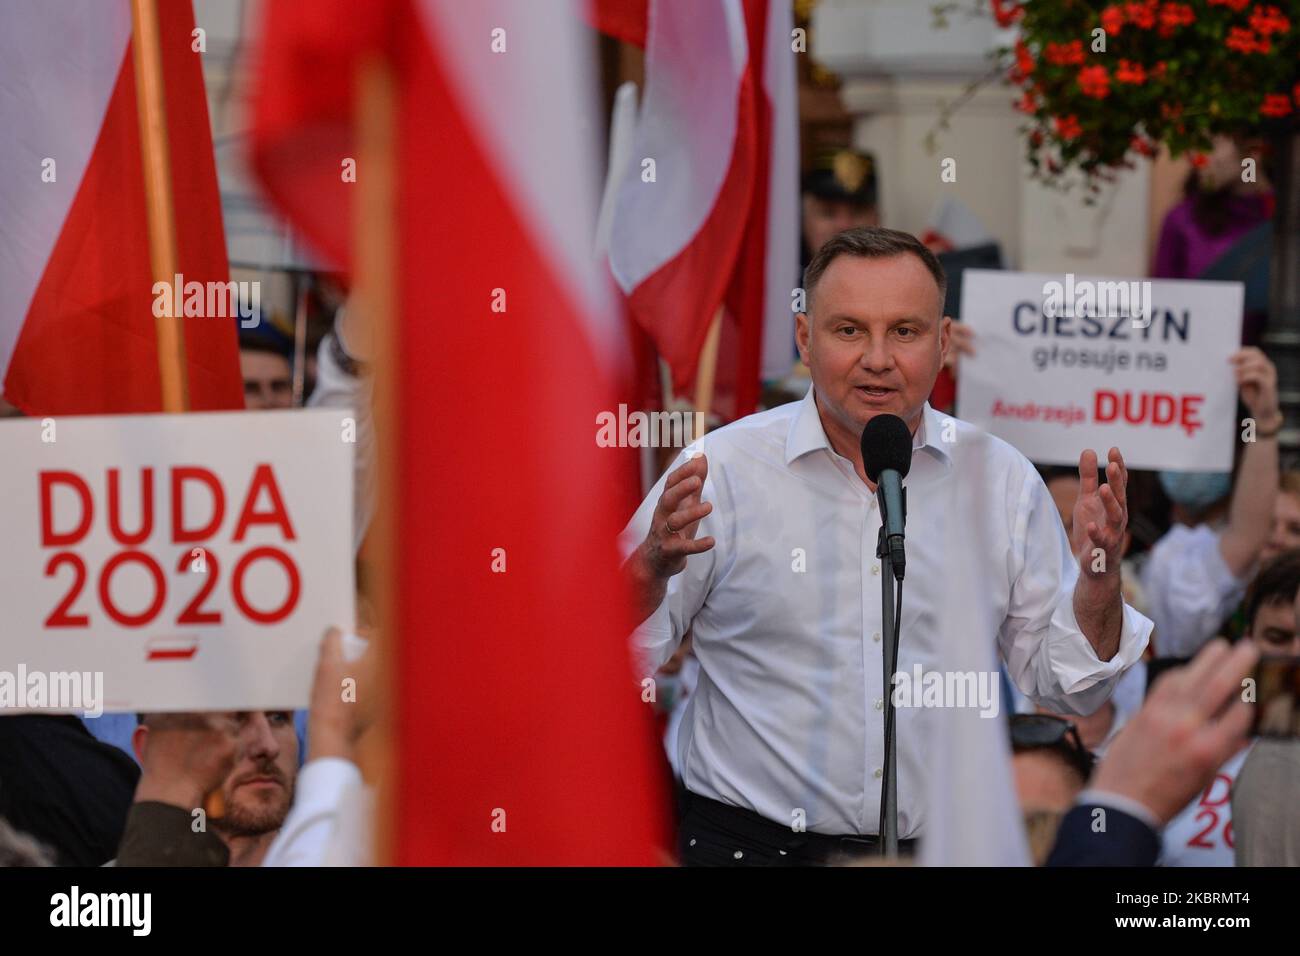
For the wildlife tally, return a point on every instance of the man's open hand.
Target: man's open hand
(1100, 513)
(671, 539)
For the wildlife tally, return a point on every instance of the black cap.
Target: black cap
(843, 175)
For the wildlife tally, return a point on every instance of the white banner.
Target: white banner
(1063, 363)
(193, 561)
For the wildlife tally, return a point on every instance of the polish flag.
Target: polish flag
(707, 213)
(522, 735)
(76, 318)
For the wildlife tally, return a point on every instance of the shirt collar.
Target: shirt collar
(807, 434)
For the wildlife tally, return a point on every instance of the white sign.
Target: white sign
(194, 561)
(1063, 363)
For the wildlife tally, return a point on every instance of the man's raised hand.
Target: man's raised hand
(1101, 513)
(671, 538)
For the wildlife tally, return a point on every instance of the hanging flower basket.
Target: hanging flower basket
(1103, 83)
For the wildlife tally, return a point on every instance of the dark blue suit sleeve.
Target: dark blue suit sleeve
(1125, 841)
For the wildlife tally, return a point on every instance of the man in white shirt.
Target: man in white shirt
(764, 546)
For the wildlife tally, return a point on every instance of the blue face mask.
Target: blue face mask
(1196, 490)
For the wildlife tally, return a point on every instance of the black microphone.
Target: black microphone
(887, 458)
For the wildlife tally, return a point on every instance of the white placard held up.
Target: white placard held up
(194, 561)
(1063, 363)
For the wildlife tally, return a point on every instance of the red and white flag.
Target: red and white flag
(522, 735)
(76, 317)
(707, 213)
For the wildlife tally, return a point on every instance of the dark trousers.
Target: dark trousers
(715, 834)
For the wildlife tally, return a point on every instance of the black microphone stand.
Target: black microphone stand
(891, 616)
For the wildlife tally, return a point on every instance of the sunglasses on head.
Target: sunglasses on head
(1046, 732)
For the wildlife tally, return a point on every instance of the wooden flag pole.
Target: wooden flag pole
(160, 216)
(374, 255)
(151, 105)
(708, 368)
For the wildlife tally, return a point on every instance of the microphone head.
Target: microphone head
(886, 445)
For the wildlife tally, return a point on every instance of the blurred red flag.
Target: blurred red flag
(522, 735)
(76, 320)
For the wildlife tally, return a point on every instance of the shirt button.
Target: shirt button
(878, 773)
(738, 855)
(875, 569)
(876, 636)
(880, 704)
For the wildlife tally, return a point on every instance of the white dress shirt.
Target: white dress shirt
(329, 823)
(1189, 588)
(788, 713)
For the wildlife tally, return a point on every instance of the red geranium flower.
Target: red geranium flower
(1269, 20)
(1065, 54)
(1173, 16)
(1024, 59)
(1234, 5)
(1027, 104)
(1130, 72)
(1245, 41)
(1112, 18)
(1275, 104)
(1145, 147)
(1067, 127)
(1141, 14)
(1094, 81)
(1024, 65)
(1006, 12)
(1198, 159)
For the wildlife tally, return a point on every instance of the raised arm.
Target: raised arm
(1250, 515)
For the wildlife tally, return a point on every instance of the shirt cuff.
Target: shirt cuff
(1075, 663)
(652, 641)
(1124, 804)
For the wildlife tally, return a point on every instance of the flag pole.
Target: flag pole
(708, 368)
(159, 206)
(374, 257)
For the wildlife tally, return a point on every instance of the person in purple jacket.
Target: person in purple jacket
(1226, 197)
